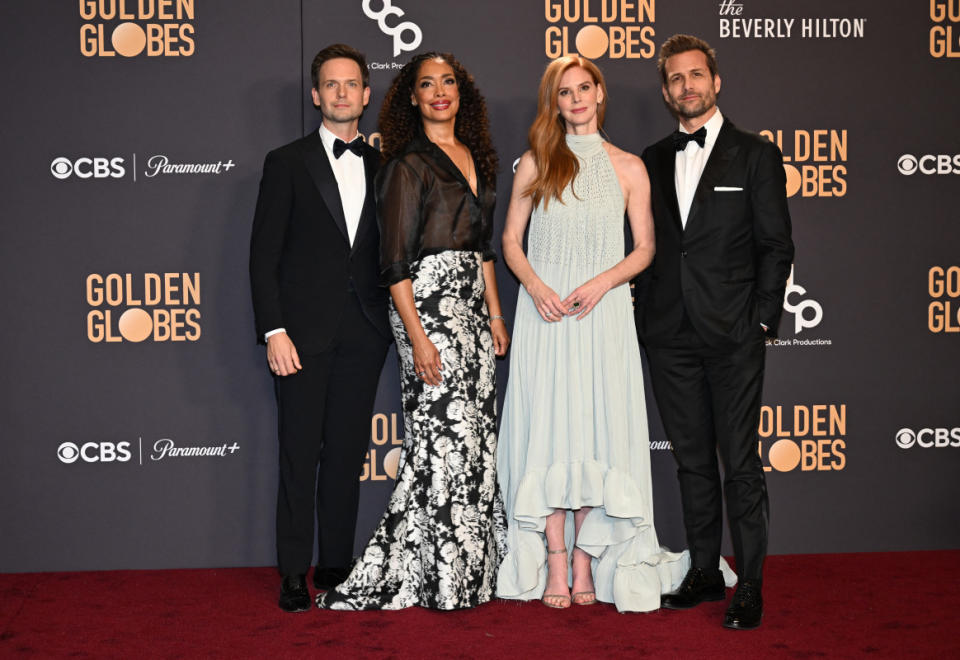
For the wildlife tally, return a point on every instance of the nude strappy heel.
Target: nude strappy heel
(560, 601)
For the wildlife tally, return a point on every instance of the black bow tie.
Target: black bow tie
(355, 145)
(681, 140)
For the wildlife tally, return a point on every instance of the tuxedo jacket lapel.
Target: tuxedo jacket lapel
(368, 212)
(322, 174)
(668, 167)
(724, 152)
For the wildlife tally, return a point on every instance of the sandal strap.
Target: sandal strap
(557, 552)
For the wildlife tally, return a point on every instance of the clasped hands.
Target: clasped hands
(579, 303)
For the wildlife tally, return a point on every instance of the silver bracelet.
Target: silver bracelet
(494, 318)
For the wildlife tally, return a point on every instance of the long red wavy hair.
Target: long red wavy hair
(556, 164)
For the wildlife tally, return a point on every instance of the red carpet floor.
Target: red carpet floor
(875, 605)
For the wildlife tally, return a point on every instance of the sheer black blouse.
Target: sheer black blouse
(425, 206)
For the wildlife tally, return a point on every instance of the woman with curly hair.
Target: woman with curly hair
(443, 535)
(574, 457)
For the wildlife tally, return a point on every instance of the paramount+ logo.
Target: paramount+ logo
(811, 438)
(159, 307)
(815, 161)
(124, 452)
(129, 28)
(616, 29)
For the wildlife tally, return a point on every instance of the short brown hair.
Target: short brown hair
(334, 51)
(681, 43)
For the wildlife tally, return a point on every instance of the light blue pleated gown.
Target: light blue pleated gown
(574, 425)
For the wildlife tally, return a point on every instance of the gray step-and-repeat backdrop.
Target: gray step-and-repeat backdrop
(138, 424)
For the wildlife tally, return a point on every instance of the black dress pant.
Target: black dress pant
(709, 400)
(324, 413)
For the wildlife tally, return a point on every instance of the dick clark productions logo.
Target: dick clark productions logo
(396, 31)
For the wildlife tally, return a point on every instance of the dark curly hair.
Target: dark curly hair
(400, 120)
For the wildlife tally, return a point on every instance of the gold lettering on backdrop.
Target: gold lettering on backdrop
(810, 437)
(157, 28)
(814, 161)
(943, 315)
(381, 460)
(120, 300)
(940, 10)
(945, 36)
(618, 29)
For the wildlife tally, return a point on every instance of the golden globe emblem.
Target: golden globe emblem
(784, 455)
(135, 324)
(592, 42)
(794, 180)
(391, 461)
(129, 39)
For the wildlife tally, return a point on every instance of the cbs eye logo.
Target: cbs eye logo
(88, 168)
(907, 165)
(906, 438)
(928, 437)
(94, 452)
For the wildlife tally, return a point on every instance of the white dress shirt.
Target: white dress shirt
(349, 173)
(690, 163)
(351, 181)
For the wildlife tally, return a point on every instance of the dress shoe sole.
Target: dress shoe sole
(295, 608)
(737, 625)
(707, 598)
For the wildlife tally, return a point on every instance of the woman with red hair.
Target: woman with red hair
(573, 459)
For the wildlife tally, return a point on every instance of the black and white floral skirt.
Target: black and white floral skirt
(443, 534)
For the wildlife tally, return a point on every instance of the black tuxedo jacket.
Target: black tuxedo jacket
(302, 267)
(728, 268)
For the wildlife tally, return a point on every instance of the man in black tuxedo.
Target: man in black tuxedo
(314, 269)
(723, 254)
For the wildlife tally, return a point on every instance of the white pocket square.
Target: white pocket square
(726, 188)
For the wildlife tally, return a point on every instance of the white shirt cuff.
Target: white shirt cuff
(267, 335)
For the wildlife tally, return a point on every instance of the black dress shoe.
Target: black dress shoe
(698, 586)
(294, 596)
(326, 579)
(746, 608)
